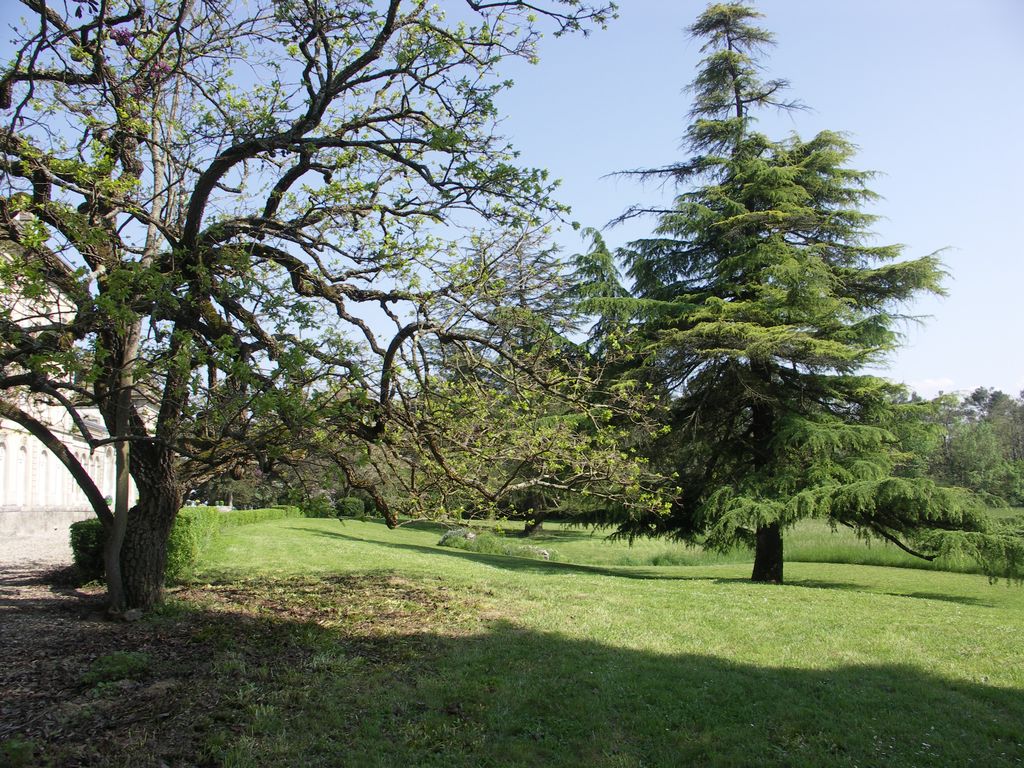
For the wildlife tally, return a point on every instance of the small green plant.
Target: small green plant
(119, 665)
(350, 506)
(17, 753)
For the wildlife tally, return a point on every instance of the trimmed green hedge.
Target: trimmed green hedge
(193, 529)
(238, 517)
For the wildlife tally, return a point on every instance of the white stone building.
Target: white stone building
(36, 490)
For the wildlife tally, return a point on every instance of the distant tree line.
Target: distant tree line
(981, 444)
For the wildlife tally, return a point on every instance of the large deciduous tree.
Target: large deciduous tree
(761, 297)
(246, 213)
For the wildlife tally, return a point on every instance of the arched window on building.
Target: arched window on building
(41, 492)
(38, 472)
(94, 470)
(19, 477)
(4, 481)
(79, 495)
(53, 479)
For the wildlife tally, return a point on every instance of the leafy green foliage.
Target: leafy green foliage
(317, 505)
(981, 445)
(514, 410)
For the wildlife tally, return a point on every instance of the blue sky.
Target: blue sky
(931, 92)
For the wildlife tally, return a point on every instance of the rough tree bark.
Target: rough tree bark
(537, 511)
(116, 528)
(768, 554)
(767, 538)
(144, 550)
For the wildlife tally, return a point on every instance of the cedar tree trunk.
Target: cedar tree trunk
(768, 554)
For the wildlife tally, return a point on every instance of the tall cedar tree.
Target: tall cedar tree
(760, 298)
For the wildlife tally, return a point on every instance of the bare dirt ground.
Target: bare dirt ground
(51, 632)
(41, 550)
(63, 705)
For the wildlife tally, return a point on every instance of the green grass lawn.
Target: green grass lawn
(368, 647)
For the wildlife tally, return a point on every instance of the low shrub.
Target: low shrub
(350, 506)
(192, 530)
(203, 507)
(87, 549)
(457, 537)
(238, 517)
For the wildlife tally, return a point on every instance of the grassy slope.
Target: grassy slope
(502, 661)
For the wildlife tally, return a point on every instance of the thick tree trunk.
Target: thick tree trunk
(122, 485)
(534, 506)
(534, 524)
(768, 538)
(144, 551)
(768, 554)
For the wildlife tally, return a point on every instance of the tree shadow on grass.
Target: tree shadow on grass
(372, 671)
(525, 564)
(855, 587)
(576, 532)
(645, 573)
(561, 701)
